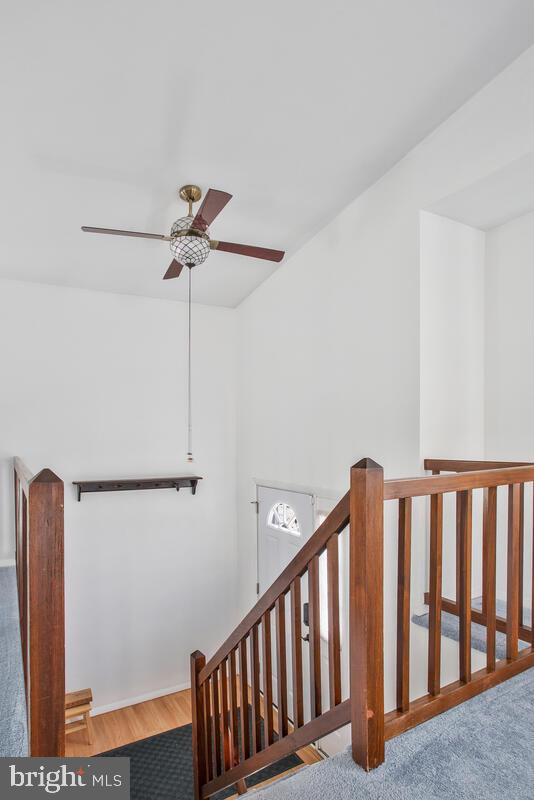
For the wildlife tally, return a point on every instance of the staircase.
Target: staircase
(226, 748)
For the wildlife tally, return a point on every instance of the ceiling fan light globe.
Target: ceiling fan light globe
(188, 250)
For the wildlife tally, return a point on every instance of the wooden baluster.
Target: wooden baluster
(267, 678)
(208, 732)
(334, 639)
(458, 549)
(520, 589)
(255, 689)
(512, 588)
(281, 665)
(234, 735)
(216, 721)
(315, 637)
(435, 592)
(225, 718)
(198, 662)
(366, 634)
(243, 683)
(489, 572)
(403, 603)
(464, 505)
(296, 640)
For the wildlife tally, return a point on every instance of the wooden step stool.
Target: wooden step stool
(78, 704)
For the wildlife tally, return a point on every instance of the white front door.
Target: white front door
(285, 523)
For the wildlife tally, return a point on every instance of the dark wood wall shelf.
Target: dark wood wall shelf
(129, 484)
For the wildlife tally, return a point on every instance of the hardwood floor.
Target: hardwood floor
(117, 728)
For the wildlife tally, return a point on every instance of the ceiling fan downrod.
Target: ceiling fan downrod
(190, 194)
(189, 408)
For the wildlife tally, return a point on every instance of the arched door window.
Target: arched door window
(283, 518)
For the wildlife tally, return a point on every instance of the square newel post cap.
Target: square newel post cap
(368, 464)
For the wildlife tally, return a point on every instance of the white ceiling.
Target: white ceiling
(498, 198)
(293, 107)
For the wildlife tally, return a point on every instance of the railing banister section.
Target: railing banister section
(227, 689)
(366, 569)
(468, 477)
(240, 680)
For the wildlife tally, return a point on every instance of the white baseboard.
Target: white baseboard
(132, 701)
(7, 562)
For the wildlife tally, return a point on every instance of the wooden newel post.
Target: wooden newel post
(198, 662)
(366, 613)
(46, 615)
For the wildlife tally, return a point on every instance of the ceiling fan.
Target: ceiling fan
(189, 238)
(191, 244)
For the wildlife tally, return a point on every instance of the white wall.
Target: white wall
(329, 347)
(92, 386)
(452, 365)
(509, 393)
(510, 340)
(452, 338)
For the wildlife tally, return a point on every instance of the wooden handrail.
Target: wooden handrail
(40, 581)
(328, 722)
(439, 484)
(461, 465)
(335, 522)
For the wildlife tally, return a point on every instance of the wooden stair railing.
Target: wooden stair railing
(470, 476)
(40, 584)
(437, 466)
(222, 755)
(220, 688)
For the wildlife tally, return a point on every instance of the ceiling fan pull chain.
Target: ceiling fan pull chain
(189, 411)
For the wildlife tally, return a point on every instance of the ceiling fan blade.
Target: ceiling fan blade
(174, 270)
(248, 250)
(115, 232)
(211, 207)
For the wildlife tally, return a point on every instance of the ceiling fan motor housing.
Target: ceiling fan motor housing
(189, 249)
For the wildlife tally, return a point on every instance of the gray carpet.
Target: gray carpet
(450, 628)
(13, 732)
(481, 750)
